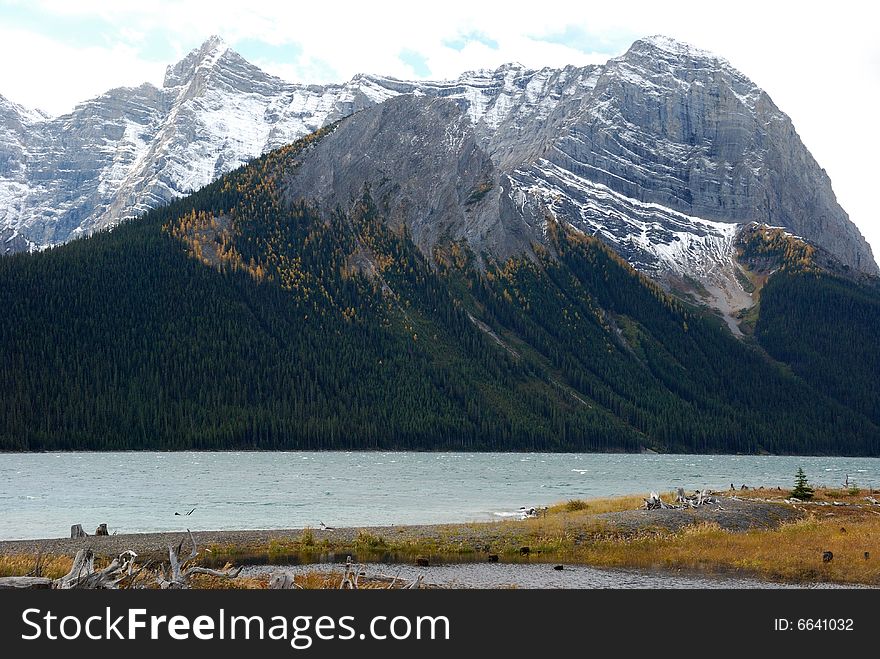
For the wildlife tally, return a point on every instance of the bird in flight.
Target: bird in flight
(324, 527)
(186, 514)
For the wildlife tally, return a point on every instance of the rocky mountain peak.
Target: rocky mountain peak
(11, 112)
(510, 66)
(671, 64)
(663, 46)
(204, 57)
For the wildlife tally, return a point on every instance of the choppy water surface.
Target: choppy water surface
(41, 495)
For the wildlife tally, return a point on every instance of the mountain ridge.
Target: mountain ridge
(223, 111)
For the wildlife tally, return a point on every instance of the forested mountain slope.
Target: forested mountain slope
(246, 317)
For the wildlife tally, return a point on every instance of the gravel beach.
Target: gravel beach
(732, 514)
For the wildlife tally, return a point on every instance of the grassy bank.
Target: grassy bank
(783, 541)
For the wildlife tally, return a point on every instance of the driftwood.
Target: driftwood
(282, 581)
(76, 531)
(351, 579)
(697, 499)
(122, 572)
(28, 583)
(83, 566)
(101, 530)
(389, 580)
(654, 502)
(179, 572)
(350, 576)
(417, 583)
(82, 574)
(353, 573)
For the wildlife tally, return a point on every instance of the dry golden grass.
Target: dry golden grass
(332, 580)
(605, 505)
(793, 552)
(20, 565)
(830, 494)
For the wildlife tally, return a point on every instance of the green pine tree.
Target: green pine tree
(802, 489)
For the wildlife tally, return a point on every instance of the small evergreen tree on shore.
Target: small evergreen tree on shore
(802, 489)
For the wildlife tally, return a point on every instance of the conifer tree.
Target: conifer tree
(802, 489)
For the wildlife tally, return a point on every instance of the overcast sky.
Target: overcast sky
(820, 62)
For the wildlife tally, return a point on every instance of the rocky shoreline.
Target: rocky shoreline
(731, 514)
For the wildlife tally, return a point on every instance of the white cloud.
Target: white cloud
(820, 63)
(41, 73)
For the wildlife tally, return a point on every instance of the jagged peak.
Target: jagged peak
(215, 41)
(487, 72)
(511, 66)
(208, 54)
(24, 114)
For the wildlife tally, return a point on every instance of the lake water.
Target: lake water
(42, 495)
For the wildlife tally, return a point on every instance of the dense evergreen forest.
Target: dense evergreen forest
(234, 319)
(828, 330)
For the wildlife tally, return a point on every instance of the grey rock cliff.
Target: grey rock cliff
(672, 125)
(426, 170)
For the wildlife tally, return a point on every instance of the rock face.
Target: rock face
(672, 125)
(16, 126)
(663, 152)
(423, 164)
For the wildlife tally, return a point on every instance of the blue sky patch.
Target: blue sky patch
(580, 38)
(71, 30)
(416, 61)
(462, 40)
(255, 50)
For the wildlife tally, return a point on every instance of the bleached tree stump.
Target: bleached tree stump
(281, 581)
(76, 531)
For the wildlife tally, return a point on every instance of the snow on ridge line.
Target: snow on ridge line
(654, 238)
(675, 248)
(676, 47)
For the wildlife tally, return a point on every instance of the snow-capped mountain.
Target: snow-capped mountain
(132, 149)
(663, 152)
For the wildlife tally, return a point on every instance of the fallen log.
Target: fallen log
(25, 583)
